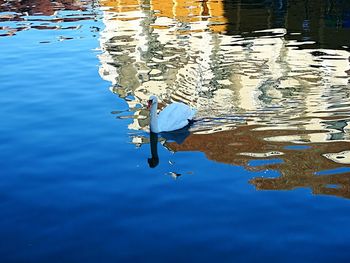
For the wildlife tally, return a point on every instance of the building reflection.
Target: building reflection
(334, 184)
(156, 47)
(41, 15)
(298, 168)
(40, 7)
(254, 71)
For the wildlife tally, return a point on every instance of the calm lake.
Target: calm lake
(263, 175)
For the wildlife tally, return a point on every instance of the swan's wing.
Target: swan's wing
(175, 116)
(178, 109)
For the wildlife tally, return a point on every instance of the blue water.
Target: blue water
(74, 187)
(297, 147)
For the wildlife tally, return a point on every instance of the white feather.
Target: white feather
(173, 117)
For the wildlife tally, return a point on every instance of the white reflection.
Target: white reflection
(176, 51)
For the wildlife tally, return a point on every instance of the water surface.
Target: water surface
(262, 175)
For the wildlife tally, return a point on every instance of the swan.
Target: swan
(173, 117)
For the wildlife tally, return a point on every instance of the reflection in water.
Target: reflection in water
(298, 168)
(17, 16)
(337, 184)
(154, 160)
(260, 79)
(178, 137)
(273, 115)
(256, 91)
(40, 7)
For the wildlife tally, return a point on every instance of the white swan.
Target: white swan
(173, 117)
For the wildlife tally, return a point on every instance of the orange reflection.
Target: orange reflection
(216, 12)
(182, 10)
(121, 6)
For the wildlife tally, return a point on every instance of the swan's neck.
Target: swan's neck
(154, 118)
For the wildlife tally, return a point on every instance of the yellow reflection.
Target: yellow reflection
(121, 6)
(181, 10)
(217, 16)
(163, 8)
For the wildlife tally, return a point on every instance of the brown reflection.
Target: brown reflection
(40, 7)
(298, 169)
(335, 184)
(41, 15)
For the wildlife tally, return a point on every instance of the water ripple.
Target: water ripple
(18, 16)
(277, 85)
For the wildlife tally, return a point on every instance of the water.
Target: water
(263, 175)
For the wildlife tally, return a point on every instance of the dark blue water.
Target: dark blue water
(75, 181)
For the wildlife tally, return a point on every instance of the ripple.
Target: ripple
(341, 157)
(259, 90)
(265, 162)
(44, 15)
(339, 170)
(262, 155)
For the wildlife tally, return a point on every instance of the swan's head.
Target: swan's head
(152, 100)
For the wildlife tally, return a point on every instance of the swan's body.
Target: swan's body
(173, 117)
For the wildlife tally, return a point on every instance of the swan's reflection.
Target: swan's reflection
(154, 160)
(178, 136)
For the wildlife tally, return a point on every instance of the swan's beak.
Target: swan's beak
(149, 103)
